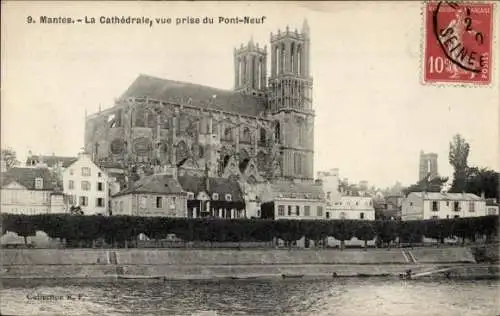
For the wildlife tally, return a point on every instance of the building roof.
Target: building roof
(297, 190)
(199, 95)
(447, 196)
(153, 184)
(51, 160)
(26, 177)
(222, 186)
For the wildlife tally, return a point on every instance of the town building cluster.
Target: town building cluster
(177, 149)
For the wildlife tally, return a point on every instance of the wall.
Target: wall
(301, 203)
(351, 207)
(145, 205)
(445, 209)
(412, 208)
(195, 263)
(16, 199)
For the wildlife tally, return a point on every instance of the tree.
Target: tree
(459, 152)
(427, 184)
(482, 180)
(365, 232)
(10, 158)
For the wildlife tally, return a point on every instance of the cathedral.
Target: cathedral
(261, 131)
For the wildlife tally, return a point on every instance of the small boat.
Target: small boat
(292, 276)
(141, 277)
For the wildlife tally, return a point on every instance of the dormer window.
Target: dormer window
(228, 197)
(215, 196)
(190, 196)
(38, 183)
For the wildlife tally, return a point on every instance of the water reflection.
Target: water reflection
(253, 297)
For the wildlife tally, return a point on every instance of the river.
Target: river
(339, 297)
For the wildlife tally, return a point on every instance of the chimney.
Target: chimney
(482, 195)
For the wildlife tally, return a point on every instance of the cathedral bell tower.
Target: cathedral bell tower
(290, 101)
(250, 69)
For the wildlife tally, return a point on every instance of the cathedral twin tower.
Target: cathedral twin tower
(288, 93)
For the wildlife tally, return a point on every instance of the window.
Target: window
(100, 186)
(411, 203)
(327, 214)
(447, 203)
(228, 197)
(289, 210)
(71, 172)
(492, 211)
(86, 171)
(456, 216)
(85, 186)
(361, 215)
(319, 211)
(38, 183)
(297, 210)
(456, 206)
(471, 206)
(71, 199)
(434, 217)
(342, 215)
(190, 196)
(71, 184)
(121, 206)
(434, 206)
(84, 201)
(215, 196)
(281, 210)
(307, 210)
(99, 202)
(98, 174)
(159, 202)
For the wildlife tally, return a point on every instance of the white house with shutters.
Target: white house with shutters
(434, 205)
(87, 186)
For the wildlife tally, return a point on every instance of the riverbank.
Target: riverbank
(173, 264)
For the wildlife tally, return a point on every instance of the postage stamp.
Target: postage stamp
(458, 42)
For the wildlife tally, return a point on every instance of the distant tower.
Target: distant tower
(250, 68)
(428, 165)
(290, 101)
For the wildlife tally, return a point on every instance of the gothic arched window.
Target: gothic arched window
(246, 138)
(299, 59)
(228, 135)
(277, 133)
(292, 57)
(140, 118)
(151, 119)
(262, 137)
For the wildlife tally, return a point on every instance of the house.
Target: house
(159, 194)
(290, 200)
(434, 205)
(352, 207)
(31, 191)
(86, 186)
(492, 207)
(213, 197)
(56, 164)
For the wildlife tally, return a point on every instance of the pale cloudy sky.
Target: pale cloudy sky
(373, 114)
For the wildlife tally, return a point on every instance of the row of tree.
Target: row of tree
(77, 229)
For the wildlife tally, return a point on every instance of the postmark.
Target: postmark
(458, 42)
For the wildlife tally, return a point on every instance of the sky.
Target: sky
(373, 114)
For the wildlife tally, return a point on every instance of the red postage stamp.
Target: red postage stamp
(458, 42)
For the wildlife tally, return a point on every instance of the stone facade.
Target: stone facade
(259, 132)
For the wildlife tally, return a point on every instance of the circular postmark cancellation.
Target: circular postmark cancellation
(458, 42)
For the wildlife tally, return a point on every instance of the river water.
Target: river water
(339, 297)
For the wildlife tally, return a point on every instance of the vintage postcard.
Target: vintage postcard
(250, 158)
